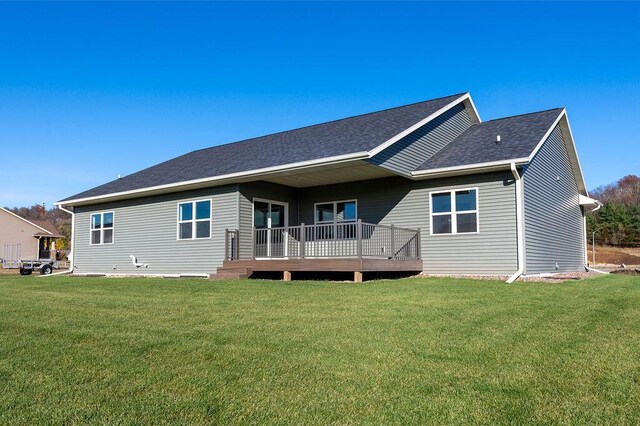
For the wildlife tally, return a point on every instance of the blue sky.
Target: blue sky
(92, 90)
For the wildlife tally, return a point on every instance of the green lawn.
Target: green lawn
(132, 351)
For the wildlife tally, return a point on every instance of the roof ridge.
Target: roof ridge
(520, 115)
(328, 122)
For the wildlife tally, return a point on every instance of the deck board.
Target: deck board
(328, 265)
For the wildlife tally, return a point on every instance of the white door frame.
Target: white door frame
(286, 221)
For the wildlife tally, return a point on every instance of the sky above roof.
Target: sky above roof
(92, 90)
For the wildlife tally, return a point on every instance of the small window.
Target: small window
(101, 228)
(194, 220)
(454, 212)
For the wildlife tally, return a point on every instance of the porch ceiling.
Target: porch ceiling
(337, 173)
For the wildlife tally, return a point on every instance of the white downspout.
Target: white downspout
(519, 230)
(73, 229)
(586, 243)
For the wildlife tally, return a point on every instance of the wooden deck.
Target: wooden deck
(244, 268)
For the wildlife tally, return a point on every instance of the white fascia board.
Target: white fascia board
(474, 109)
(419, 124)
(571, 149)
(25, 220)
(471, 168)
(570, 146)
(216, 179)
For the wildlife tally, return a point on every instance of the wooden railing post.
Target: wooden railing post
(302, 240)
(253, 242)
(236, 244)
(285, 241)
(418, 244)
(226, 243)
(393, 242)
(359, 237)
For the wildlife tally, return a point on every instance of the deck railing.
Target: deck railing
(351, 239)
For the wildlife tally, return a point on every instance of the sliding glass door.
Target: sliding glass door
(269, 220)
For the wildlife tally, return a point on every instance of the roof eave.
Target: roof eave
(213, 181)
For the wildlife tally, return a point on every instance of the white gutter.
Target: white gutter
(73, 229)
(519, 227)
(468, 169)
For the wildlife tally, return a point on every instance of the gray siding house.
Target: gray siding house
(426, 187)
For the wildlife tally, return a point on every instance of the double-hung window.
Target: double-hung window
(341, 215)
(102, 228)
(454, 212)
(194, 220)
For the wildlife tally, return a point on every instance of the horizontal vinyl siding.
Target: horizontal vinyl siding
(416, 148)
(14, 231)
(267, 191)
(147, 228)
(405, 203)
(553, 217)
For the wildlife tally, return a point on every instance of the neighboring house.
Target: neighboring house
(22, 239)
(505, 197)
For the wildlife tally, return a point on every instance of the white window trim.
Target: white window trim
(193, 220)
(335, 212)
(267, 201)
(454, 211)
(102, 228)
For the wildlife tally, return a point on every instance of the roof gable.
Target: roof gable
(519, 138)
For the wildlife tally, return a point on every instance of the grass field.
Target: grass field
(139, 351)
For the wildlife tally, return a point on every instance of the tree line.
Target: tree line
(617, 222)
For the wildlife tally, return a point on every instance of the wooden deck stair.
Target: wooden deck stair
(229, 271)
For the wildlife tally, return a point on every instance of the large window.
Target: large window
(336, 220)
(336, 212)
(102, 228)
(194, 220)
(454, 212)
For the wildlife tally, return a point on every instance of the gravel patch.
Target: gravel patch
(550, 278)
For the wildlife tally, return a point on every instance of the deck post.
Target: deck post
(236, 244)
(226, 243)
(418, 245)
(393, 242)
(357, 276)
(253, 242)
(359, 238)
(302, 240)
(286, 276)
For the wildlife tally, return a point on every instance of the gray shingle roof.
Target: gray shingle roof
(519, 136)
(340, 137)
